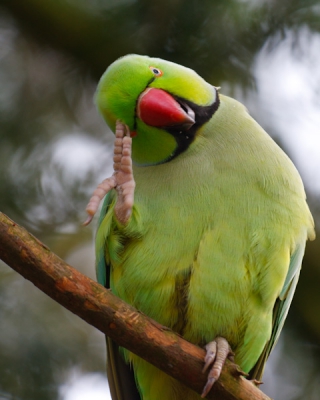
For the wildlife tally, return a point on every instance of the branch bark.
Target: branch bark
(126, 326)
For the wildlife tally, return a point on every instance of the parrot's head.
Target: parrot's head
(164, 104)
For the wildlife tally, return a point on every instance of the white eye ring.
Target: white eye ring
(156, 71)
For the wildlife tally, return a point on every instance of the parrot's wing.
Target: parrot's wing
(281, 309)
(120, 376)
(102, 269)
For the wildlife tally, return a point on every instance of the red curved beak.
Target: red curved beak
(158, 108)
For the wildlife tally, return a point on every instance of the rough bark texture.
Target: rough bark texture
(125, 325)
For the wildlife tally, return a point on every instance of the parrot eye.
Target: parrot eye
(156, 71)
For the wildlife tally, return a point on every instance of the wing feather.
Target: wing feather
(281, 308)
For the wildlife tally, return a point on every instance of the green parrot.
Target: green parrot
(204, 224)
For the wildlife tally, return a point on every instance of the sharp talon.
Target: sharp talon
(206, 366)
(231, 356)
(255, 381)
(208, 386)
(241, 373)
(88, 220)
(127, 133)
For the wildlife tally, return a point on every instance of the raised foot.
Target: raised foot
(122, 179)
(217, 352)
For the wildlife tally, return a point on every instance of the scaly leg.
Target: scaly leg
(217, 352)
(122, 179)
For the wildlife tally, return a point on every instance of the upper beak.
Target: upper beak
(158, 108)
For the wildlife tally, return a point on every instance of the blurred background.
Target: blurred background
(54, 149)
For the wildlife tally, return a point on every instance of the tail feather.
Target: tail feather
(120, 375)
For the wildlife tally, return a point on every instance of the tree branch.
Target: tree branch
(125, 325)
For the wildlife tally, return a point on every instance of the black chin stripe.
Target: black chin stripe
(202, 115)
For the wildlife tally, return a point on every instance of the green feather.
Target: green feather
(101, 238)
(281, 309)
